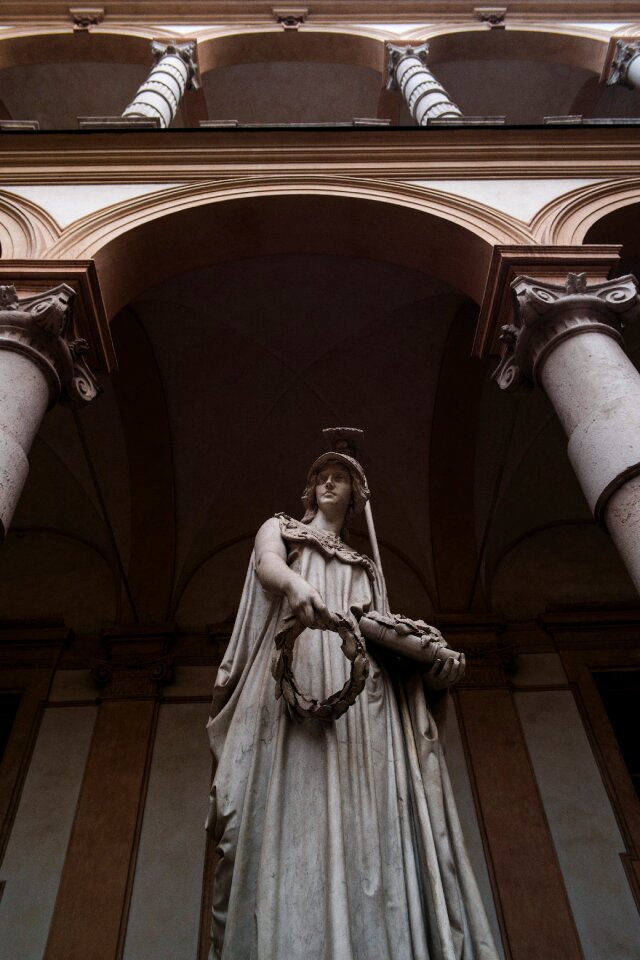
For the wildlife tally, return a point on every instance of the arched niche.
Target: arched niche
(278, 76)
(50, 575)
(523, 75)
(618, 217)
(64, 45)
(571, 48)
(256, 356)
(589, 213)
(568, 564)
(621, 222)
(212, 591)
(267, 46)
(56, 77)
(141, 242)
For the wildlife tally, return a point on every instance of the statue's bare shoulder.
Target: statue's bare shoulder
(269, 539)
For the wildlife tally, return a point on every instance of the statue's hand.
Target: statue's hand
(308, 606)
(444, 673)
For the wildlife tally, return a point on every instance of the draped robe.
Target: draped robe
(337, 840)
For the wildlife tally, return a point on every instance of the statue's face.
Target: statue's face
(333, 489)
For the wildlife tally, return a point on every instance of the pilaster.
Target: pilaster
(523, 864)
(98, 870)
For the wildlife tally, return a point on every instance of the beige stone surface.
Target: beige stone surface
(33, 862)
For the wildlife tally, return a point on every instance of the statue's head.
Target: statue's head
(337, 463)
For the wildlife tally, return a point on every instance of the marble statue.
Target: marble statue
(338, 839)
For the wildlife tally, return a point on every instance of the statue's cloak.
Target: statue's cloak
(337, 840)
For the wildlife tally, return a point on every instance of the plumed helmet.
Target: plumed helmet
(342, 442)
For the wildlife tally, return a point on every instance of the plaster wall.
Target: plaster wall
(519, 198)
(461, 783)
(35, 855)
(32, 92)
(583, 825)
(165, 907)
(72, 201)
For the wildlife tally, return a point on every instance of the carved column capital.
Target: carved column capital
(625, 53)
(136, 679)
(399, 51)
(41, 328)
(185, 51)
(137, 663)
(547, 313)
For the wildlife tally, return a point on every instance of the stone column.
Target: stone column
(40, 363)
(568, 340)
(174, 72)
(625, 67)
(424, 95)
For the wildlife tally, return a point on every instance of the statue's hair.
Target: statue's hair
(309, 498)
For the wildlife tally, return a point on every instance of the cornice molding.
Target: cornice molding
(400, 11)
(179, 156)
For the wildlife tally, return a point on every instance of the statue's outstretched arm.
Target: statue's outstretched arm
(306, 604)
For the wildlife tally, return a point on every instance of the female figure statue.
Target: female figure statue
(339, 839)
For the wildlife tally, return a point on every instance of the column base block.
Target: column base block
(466, 122)
(11, 125)
(113, 123)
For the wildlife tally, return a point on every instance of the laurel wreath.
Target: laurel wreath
(338, 703)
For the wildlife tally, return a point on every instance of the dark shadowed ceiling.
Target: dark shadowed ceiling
(144, 504)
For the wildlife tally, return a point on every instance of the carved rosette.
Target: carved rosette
(547, 313)
(625, 53)
(41, 328)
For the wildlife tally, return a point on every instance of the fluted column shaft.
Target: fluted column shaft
(625, 67)
(160, 95)
(40, 362)
(424, 95)
(568, 341)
